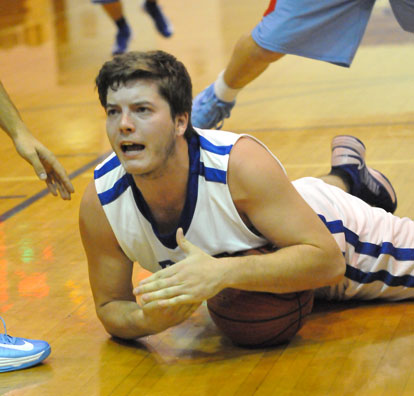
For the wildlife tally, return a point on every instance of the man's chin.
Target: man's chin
(133, 167)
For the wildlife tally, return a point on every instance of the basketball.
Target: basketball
(259, 319)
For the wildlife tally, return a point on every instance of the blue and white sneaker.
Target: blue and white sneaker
(162, 23)
(348, 155)
(18, 353)
(122, 40)
(209, 111)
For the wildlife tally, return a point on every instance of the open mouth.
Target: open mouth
(128, 147)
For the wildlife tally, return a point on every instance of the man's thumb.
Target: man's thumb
(182, 241)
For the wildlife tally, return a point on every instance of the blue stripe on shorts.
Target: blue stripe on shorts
(372, 250)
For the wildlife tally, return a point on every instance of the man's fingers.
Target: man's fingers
(61, 176)
(178, 300)
(51, 187)
(161, 295)
(150, 286)
(38, 167)
(55, 172)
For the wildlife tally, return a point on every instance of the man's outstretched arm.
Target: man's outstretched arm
(110, 276)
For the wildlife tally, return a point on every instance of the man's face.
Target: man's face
(140, 128)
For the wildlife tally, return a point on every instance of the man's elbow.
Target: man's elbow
(111, 327)
(337, 266)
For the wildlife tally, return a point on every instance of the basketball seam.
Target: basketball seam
(270, 340)
(300, 315)
(299, 308)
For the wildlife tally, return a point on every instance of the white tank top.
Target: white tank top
(209, 218)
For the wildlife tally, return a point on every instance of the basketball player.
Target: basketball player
(16, 352)
(327, 30)
(173, 198)
(114, 10)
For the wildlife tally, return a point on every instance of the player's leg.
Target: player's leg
(162, 23)
(350, 172)
(114, 10)
(328, 30)
(378, 247)
(247, 62)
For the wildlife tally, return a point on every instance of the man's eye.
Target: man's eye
(142, 109)
(111, 112)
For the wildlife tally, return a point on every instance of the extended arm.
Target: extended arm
(308, 256)
(110, 273)
(43, 161)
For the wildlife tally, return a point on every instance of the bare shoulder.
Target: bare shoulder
(251, 165)
(90, 207)
(94, 226)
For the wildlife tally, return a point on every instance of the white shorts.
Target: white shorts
(378, 246)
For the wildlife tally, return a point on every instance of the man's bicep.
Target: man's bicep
(110, 270)
(264, 195)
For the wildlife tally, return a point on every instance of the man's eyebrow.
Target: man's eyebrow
(137, 103)
(141, 102)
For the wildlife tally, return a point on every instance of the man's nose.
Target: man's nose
(126, 125)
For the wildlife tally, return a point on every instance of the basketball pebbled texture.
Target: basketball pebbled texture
(259, 319)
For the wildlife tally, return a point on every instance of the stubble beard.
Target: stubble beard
(166, 154)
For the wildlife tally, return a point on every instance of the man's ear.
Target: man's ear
(181, 122)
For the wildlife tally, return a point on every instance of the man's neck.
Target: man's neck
(166, 193)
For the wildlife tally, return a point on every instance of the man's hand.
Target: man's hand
(192, 280)
(159, 318)
(45, 165)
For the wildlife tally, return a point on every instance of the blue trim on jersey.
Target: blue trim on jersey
(111, 164)
(169, 240)
(373, 250)
(196, 168)
(212, 174)
(113, 193)
(208, 146)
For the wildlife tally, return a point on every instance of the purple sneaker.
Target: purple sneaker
(348, 155)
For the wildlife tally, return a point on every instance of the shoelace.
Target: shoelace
(220, 111)
(5, 338)
(224, 113)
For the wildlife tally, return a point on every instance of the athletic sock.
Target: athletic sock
(223, 91)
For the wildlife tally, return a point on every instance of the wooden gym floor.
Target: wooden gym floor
(50, 52)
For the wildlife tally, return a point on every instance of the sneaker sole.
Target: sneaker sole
(382, 179)
(10, 364)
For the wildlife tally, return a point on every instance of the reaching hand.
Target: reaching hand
(45, 164)
(192, 280)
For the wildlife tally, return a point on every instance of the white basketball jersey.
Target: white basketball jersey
(209, 219)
